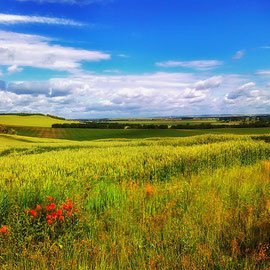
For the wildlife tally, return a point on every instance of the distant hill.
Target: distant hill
(31, 120)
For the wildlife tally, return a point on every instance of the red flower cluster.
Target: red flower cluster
(51, 213)
(3, 230)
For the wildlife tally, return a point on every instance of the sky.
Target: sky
(127, 58)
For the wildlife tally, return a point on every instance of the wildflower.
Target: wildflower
(33, 213)
(3, 229)
(150, 218)
(69, 213)
(61, 218)
(51, 206)
(59, 212)
(26, 210)
(49, 221)
(49, 216)
(38, 207)
(50, 198)
(149, 190)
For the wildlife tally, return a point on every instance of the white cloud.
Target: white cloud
(123, 55)
(18, 19)
(112, 71)
(241, 91)
(14, 69)
(36, 51)
(265, 47)
(198, 65)
(90, 95)
(239, 54)
(264, 72)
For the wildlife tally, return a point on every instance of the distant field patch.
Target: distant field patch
(30, 120)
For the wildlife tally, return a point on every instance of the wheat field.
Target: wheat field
(199, 202)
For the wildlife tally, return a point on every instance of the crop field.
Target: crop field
(30, 120)
(199, 202)
(78, 134)
(167, 122)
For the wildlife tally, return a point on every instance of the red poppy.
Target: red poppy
(38, 207)
(52, 206)
(49, 221)
(49, 216)
(33, 213)
(61, 218)
(59, 212)
(50, 198)
(54, 215)
(4, 229)
(69, 213)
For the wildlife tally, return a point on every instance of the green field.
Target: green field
(198, 202)
(30, 120)
(167, 122)
(95, 134)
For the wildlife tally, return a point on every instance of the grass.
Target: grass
(30, 120)
(159, 203)
(95, 134)
(167, 122)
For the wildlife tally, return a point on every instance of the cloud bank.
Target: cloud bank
(158, 94)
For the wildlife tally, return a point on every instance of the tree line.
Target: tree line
(96, 125)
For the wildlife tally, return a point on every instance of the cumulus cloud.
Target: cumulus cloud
(36, 51)
(14, 69)
(19, 19)
(134, 95)
(242, 91)
(239, 54)
(248, 99)
(198, 65)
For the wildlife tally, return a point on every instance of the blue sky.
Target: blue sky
(126, 58)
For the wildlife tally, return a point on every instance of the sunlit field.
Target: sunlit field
(30, 120)
(162, 203)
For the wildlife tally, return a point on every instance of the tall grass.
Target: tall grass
(190, 203)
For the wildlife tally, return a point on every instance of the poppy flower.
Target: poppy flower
(52, 206)
(4, 229)
(33, 213)
(50, 198)
(59, 212)
(61, 218)
(54, 215)
(38, 207)
(49, 221)
(69, 213)
(49, 216)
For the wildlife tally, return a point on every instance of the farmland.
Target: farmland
(198, 202)
(78, 134)
(30, 120)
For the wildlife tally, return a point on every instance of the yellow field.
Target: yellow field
(30, 120)
(166, 203)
